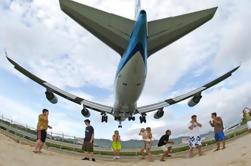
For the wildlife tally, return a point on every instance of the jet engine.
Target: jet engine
(85, 112)
(195, 100)
(51, 97)
(159, 113)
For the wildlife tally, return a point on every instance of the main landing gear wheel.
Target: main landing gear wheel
(104, 118)
(131, 118)
(142, 119)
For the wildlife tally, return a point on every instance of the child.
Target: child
(116, 145)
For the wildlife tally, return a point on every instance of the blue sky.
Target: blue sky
(39, 36)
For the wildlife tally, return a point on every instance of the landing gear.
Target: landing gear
(117, 118)
(131, 118)
(142, 118)
(120, 125)
(104, 118)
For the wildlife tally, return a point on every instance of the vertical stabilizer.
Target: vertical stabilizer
(137, 8)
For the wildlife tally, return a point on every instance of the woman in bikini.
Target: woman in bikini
(148, 142)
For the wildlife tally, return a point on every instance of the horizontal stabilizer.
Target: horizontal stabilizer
(165, 31)
(113, 30)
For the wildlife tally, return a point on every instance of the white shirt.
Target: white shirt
(195, 130)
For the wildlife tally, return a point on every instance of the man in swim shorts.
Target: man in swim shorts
(163, 144)
(42, 127)
(88, 141)
(194, 138)
(219, 136)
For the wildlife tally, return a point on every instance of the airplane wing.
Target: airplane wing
(51, 88)
(165, 31)
(196, 92)
(113, 30)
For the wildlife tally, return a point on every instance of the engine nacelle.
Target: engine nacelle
(195, 100)
(85, 112)
(159, 113)
(51, 97)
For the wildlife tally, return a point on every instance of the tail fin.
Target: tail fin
(137, 8)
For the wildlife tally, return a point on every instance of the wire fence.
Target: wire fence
(59, 140)
(67, 142)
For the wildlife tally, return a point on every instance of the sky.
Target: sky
(44, 40)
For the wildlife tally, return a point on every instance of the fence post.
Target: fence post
(75, 143)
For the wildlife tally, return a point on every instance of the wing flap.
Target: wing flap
(165, 31)
(113, 30)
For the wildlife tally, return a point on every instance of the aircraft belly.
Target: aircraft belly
(131, 80)
(129, 84)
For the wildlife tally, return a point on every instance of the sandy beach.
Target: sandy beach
(238, 153)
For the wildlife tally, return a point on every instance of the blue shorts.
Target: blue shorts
(220, 136)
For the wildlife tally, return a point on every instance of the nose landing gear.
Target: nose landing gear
(120, 125)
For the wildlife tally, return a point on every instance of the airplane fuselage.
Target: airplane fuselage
(131, 72)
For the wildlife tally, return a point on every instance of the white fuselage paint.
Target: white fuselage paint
(128, 86)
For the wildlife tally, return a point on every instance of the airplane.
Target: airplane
(135, 41)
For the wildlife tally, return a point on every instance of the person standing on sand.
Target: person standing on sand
(194, 138)
(88, 141)
(163, 144)
(219, 136)
(148, 142)
(42, 127)
(116, 145)
(247, 111)
(142, 150)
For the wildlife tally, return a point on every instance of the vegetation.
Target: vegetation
(73, 146)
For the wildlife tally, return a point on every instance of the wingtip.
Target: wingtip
(6, 54)
(236, 68)
(8, 58)
(213, 10)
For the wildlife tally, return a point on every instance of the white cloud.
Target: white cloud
(39, 36)
(17, 111)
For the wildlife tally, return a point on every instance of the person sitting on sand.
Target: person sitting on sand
(194, 138)
(116, 145)
(219, 136)
(42, 127)
(143, 134)
(163, 144)
(88, 141)
(148, 142)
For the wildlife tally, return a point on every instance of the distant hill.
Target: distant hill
(131, 144)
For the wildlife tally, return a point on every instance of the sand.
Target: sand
(237, 153)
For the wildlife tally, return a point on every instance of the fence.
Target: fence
(67, 142)
(59, 140)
